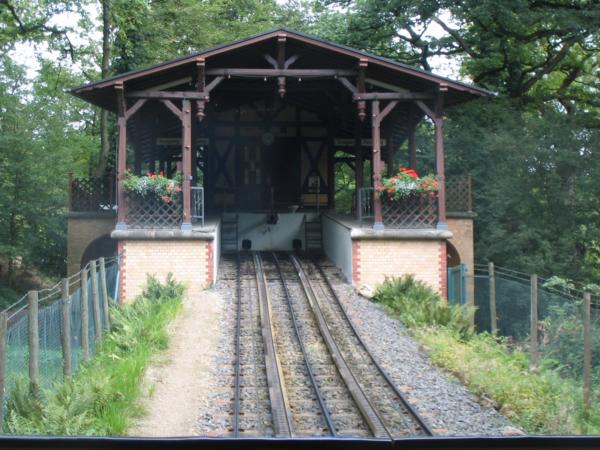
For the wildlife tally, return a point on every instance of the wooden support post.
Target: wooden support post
(186, 155)
(358, 162)
(34, 343)
(95, 302)
(281, 89)
(439, 159)
(121, 158)
(533, 332)
(360, 84)
(390, 152)
(3, 322)
(376, 137)
(412, 141)
(493, 316)
(104, 290)
(200, 86)
(66, 328)
(85, 316)
(587, 349)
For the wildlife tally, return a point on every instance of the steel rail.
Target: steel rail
(280, 411)
(238, 329)
(313, 381)
(369, 413)
(420, 422)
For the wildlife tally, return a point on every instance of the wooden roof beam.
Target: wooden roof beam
(236, 72)
(173, 95)
(393, 96)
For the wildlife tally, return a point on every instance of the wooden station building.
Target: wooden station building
(256, 128)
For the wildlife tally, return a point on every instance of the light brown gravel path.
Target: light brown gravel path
(177, 384)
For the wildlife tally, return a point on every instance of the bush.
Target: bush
(541, 402)
(417, 305)
(101, 398)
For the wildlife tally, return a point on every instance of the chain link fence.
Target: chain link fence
(557, 326)
(47, 334)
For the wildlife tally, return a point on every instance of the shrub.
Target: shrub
(417, 305)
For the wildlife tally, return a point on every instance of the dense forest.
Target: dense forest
(533, 150)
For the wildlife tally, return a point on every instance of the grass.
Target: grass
(101, 399)
(541, 402)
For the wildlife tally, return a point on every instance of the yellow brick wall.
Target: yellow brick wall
(189, 261)
(81, 232)
(462, 240)
(373, 260)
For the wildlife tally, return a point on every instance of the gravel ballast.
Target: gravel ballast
(442, 400)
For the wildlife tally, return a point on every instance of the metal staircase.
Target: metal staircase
(313, 235)
(229, 233)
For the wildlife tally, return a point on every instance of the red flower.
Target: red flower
(166, 198)
(161, 173)
(149, 174)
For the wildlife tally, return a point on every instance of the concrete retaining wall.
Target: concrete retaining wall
(337, 244)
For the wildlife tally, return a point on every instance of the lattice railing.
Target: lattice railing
(92, 194)
(458, 195)
(151, 211)
(414, 211)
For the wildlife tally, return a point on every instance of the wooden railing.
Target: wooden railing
(92, 194)
(153, 212)
(417, 210)
(459, 197)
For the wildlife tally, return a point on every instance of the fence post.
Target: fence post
(104, 289)
(85, 316)
(3, 320)
(34, 343)
(587, 349)
(493, 316)
(66, 328)
(95, 302)
(533, 346)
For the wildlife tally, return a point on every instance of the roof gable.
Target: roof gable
(389, 68)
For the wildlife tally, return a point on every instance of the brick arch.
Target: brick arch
(453, 255)
(83, 230)
(104, 246)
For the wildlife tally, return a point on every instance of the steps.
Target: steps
(229, 233)
(313, 235)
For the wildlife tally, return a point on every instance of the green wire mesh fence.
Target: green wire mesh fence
(71, 317)
(546, 321)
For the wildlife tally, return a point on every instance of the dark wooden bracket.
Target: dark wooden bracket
(135, 108)
(174, 109)
(348, 85)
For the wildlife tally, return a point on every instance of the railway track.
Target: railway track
(397, 416)
(294, 337)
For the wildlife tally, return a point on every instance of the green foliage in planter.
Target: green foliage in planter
(416, 304)
(101, 399)
(153, 184)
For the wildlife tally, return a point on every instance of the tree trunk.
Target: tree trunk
(104, 139)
